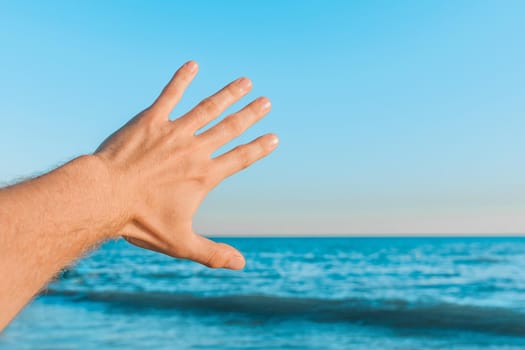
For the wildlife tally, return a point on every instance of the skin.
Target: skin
(144, 183)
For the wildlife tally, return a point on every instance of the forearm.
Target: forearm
(46, 223)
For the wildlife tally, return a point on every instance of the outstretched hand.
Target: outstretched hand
(162, 170)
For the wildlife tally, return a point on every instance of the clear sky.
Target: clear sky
(394, 116)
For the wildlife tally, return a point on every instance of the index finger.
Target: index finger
(173, 91)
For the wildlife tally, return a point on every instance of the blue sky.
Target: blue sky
(402, 117)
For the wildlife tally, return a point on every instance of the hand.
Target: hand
(162, 171)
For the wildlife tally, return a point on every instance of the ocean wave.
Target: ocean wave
(478, 260)
(392, 313)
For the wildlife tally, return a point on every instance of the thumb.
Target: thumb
(213, 254)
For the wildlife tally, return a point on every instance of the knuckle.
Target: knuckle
(244, 156)
(183, 77)
(258, 146)
(230, 93)
(213, 259)
(199, 117)
(254, 108)
(211, 105)
(233, 125)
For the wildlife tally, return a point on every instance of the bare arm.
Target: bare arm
(144, 183)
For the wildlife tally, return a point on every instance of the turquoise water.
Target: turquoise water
(295, 293)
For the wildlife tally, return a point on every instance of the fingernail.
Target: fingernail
(266, 104)
(236, 262)
(274, 141)
(245, 83)
(192, 66)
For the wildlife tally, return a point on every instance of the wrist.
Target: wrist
(107, 201)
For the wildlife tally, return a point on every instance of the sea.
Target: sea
(295, 293)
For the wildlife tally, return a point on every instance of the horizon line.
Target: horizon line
(374, 235)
